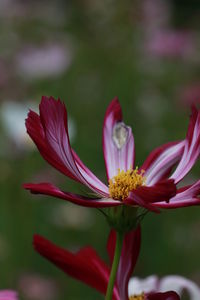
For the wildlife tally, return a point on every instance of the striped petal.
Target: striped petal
(51, 190)
(50, 133)
(118, 141)
(160, 161)
(192, 147)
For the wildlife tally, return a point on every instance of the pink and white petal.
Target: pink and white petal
(186, 196)
(179, 284)
(51, 190)
(129, 256)
(36, 131)
(118, 141)
(90, 177)
(50, 133)
(8, 295)
(160, 161)
(84, 265)
(192, 147)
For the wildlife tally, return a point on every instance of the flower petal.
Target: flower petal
(179, 284)
(118, 141)
(147, 196)
(160, 161)
(84, 265)
(129, 255)
(192, 147)
(51, 190)
(139, 285)
(8, 295)
(163, 296)
(186, 196)
(50, 134)
(90, 177)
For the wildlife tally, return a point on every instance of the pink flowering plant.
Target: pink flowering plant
(8, 295)
(130, 192)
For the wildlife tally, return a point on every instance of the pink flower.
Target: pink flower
(171, 43)
(8, 295)
(151, 186)
(89, 268)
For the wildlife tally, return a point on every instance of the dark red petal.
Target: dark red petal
(129, 255)
(50, 133)
(161, 191)
(36, 131)
(163, 296)
(51, 190)
(185, 196)
(85, 265)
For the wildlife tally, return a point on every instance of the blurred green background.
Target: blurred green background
(146, 52)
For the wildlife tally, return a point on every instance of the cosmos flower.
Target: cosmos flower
(151, 186)
(8, 295)
(176, 283)
(89, 268)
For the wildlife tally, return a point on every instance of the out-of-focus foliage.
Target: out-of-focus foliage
(146, 52)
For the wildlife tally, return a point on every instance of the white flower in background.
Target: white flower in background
(13, 115)
(175, 283)
(47, 61)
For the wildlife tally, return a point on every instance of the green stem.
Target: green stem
(113, 273)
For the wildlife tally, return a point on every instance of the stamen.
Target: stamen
(120, 134)
(124, 182)
(137, 297)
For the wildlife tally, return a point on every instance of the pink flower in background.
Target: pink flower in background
(43, 62)
(8, 295)
(151, 186)
(89, 268)
(170, 43)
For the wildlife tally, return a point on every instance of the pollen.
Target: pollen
(137, 297)
(124, 182)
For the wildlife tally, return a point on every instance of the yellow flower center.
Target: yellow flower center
(137, 297)
(124, 182)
